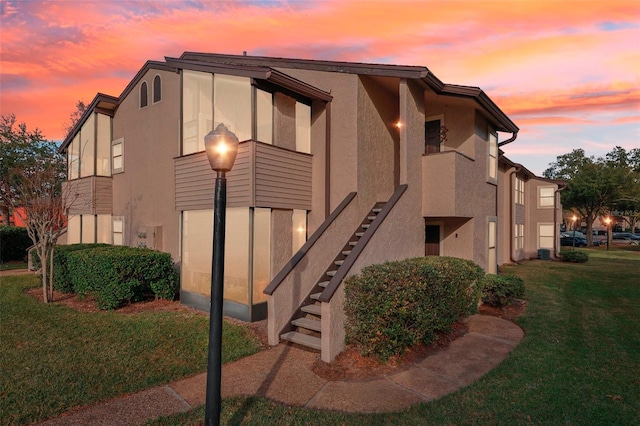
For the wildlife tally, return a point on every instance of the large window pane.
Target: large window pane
(299, 234)
(264, 116)
(103, 234)
(118, 230)
(88, 229)
(197, 110)
(197, 237)
(88, 147)
(103, 146)
(236, 264)
(545, 236)
(546, 196)
(261, 253)
(73, 230)
(303, 128)
(74, 158)
(493, 156)
(232, 104)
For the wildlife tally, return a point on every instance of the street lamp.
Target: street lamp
(222, 147)
(607, 220)
(574, 218)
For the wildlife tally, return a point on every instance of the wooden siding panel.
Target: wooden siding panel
(283, 178)
(519, 214)
(272, 177)
(103, 195)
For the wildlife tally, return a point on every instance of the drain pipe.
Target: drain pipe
(561, 187)
(512, 218)
(511, 139)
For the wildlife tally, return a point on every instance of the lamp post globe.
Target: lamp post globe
(221, 146)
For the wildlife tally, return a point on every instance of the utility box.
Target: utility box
(544, 254)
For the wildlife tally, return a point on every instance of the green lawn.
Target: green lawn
(13, 265)
(53, 357)
(578, 363)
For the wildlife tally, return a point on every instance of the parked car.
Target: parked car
(569, 241)
(626, 238)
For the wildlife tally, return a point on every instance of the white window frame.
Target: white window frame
(492, 245)
(153, 90)
(492, 156)
(539, 235)
(118, 231)
(552, 197)
(519, 191)
(140, 97)
(114, 169)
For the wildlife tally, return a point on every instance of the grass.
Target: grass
(577, 364)
(7, 266)
(54, 357)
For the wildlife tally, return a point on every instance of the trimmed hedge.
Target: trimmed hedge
(574, 256)
(115, 275)
(392, 306)
(14, 242)
(61, 275)
(500, 290)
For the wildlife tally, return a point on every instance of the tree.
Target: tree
(595, 185)
(74, 117)
(627, 208)
(32, 176)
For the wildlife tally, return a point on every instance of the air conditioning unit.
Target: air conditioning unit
(544, 254)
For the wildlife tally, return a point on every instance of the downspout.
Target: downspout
(561, 187)
(511, 139)
(512, 220)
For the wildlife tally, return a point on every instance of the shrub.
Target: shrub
(500, 290)
(14, 242)
(574, 256)
(61, 278)
(117, 275)
(395, 305)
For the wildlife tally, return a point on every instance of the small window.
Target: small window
(546, 196)
(493, 156)
(157, 89)
(118, 230)
(432, 136)
(519, 191)
(117, 156)
(545, 235)
(492, 263)
(144, 97)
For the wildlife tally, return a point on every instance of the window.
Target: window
(88, 147)
(73, 158)
(103, 146)
(264, 116)
(117, 156)
(545, 235)
(492, 266)
(299, 235)
(303, 127)
(518, 236)
(432, 136)
(103, 228)
(261, 253)
(157, 89)
(232, 104)
(73, 230)
(197, 110)
(144, 97)
(118, 230)
(519, 191)
(493, 156)
(546, 196)
(88, 234)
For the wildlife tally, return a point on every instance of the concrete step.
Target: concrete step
(312, 309)
(323, 284)
(307, 323)
(338, 262)
(359, 234)
(315, 296)
(353, 243)
(331, 273)
(346, 252)
(365, 225)
(371, 217)
(302, 339)
(377, 210)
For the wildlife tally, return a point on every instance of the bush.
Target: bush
(61, 278)
(14, 242)
(117, 275)
(395, 305)
(500, 290)
(574, 256)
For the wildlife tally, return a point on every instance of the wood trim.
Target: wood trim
(277, 280)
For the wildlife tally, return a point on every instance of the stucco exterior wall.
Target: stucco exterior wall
(143, 193)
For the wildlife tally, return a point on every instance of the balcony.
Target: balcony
(454, 185)
(263, 176)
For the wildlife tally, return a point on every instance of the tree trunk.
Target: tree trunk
(42, 251)
(51, 271)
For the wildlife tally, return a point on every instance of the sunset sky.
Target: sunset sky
(566, 72)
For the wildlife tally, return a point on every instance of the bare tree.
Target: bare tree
(74, 117)
(32, 187)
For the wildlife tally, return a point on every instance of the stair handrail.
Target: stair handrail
(300, 254)
(342, 271)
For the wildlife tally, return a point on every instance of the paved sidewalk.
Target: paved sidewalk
(283, 374)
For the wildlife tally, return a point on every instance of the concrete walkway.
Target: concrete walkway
(283, 374)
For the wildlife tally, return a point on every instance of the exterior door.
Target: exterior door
(432, 136)
(432, 240)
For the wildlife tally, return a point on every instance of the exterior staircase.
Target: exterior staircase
(305, 329)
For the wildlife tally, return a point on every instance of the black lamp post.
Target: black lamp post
(222, 147)
(574, 218)
(608, 222)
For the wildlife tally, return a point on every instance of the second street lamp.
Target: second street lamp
(221, 146)
(607, 220)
